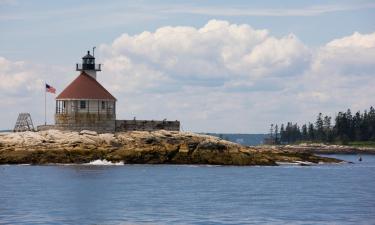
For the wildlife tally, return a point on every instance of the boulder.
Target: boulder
(88, 132)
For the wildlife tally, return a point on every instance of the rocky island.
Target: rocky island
(139, 147)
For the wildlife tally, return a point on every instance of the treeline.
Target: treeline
(344, 128)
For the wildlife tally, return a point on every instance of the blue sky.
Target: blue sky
(42, 40)
(39, 29)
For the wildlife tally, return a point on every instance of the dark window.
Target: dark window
(103, 104)
(82, 104)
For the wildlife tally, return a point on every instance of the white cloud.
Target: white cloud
(285, 56)
(342, 73)
(22, 90)
(213, 55)
(356, 40)
(15, 76)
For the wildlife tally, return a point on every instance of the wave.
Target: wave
(104, 162)
(296, 163)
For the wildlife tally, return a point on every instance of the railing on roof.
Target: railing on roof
(96, 67)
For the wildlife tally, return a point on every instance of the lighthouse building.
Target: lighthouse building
(85, 104)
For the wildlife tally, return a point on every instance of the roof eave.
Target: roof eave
(100, 99)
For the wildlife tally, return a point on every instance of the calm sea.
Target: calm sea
(171, 194)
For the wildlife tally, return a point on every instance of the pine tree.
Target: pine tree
(357, 123)
(282, 134)
(276, 134)
(365, 127)
(288, 132)
(371, 123)
(271, 131)
(350, 126)
(304, 135)
(311, 132)
(327, 129)
(319, 128)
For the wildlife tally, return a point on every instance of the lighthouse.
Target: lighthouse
(85, 104)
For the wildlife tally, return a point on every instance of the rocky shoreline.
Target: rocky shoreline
(322, 149)
(140, 147)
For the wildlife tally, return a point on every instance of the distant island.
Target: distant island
(243, 139)
(348, 133)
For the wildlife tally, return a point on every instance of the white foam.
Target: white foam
(295, 163)
(305, 163)
(287, 163)
(104, 162)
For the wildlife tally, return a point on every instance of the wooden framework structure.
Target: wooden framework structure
(24, 123)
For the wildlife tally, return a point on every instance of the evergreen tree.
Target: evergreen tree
(371, 123)
(296, 133)
(271, 131)
(350, 128)
(304, 133)
(290, 132)
(311, 132)
(276, 134)
(328, 137)
(357, 123)
(282, 134)
(319, 127)
(365, 127)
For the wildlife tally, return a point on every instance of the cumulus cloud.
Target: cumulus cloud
(342, 73)
(16, 76)
(220, 77)
(22, 89)
(353, 41)
(212, 55)
(351, 55)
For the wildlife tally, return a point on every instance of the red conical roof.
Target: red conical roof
(85, 87)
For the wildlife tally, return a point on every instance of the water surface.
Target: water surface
(171, 194)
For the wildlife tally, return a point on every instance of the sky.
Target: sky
(217, 66)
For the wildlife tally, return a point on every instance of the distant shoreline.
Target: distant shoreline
(322, 149)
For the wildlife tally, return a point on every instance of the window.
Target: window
(103, 104)
(82, 104)
(74, 106)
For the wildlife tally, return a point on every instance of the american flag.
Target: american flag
(50, 89)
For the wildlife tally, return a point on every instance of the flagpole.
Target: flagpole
(45, 104)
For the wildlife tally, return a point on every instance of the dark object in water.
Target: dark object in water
(360, 159)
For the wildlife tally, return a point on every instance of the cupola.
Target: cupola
(88, 65)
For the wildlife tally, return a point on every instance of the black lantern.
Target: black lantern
(88, 63)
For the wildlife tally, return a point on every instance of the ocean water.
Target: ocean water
(183, 194)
